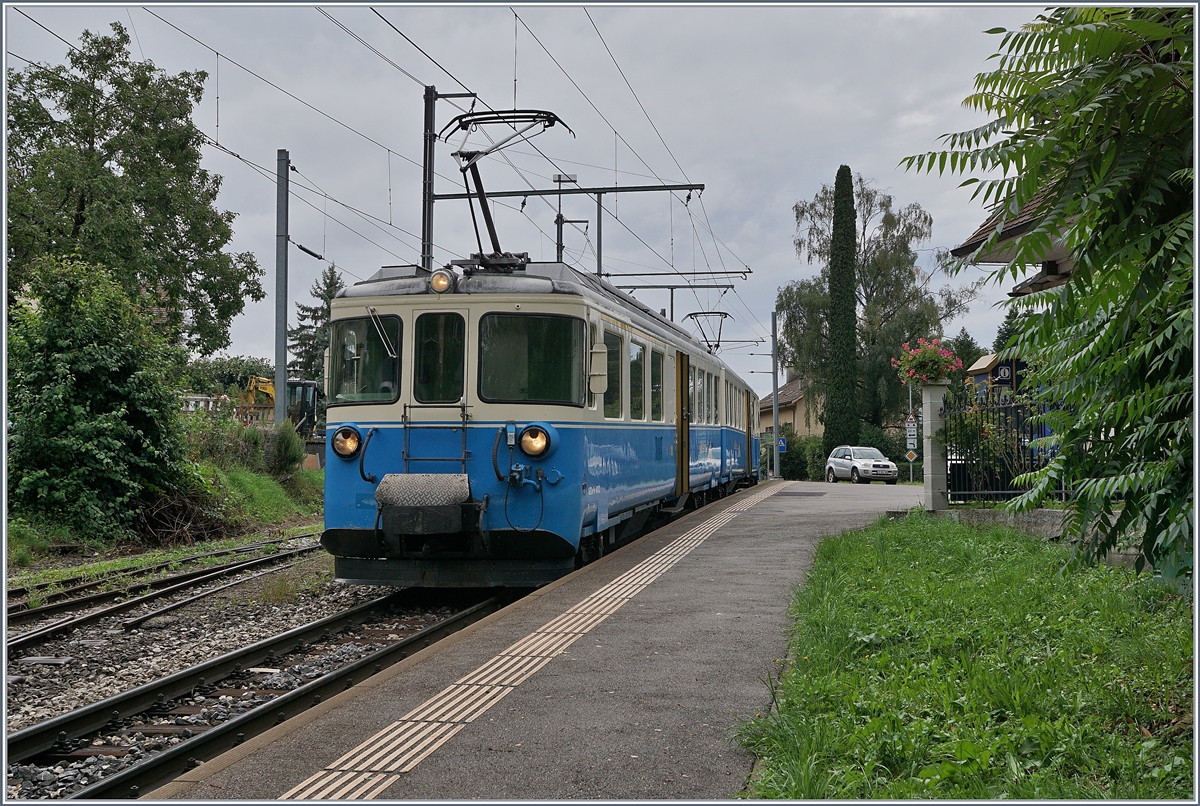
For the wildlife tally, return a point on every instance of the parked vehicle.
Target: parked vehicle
(859, 464)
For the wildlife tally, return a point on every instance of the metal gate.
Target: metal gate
(989, 438)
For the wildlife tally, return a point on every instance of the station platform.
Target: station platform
(624, 680)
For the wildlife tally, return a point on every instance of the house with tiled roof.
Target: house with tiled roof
(1056, 264)
(798, 405)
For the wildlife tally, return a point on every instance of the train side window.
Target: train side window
(439, 357)
(612, 397)
(591, 396)
(712, 400)
(364, 362)
(637, 381)
(692, 395)
(656, 385)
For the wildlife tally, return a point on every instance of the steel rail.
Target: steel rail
(36, 613)
(81, 582)
(35, 739)
(42, 634)
(169, 764)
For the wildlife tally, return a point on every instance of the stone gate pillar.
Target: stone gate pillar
(933, 395)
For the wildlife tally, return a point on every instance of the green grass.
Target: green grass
(930, 659)
(264, 500)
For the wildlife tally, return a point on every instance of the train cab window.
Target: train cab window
(656, 385)
(439, 356)
(532, 358)
(701, 398)
(612, 397)
(364, 360)
(637, 381)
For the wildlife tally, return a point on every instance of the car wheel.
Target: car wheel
(854, 477)
(830, 476)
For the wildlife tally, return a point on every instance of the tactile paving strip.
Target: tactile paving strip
(369, 769)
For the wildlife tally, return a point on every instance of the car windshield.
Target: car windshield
(867, 453)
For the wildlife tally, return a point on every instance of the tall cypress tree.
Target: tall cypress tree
(841, 410)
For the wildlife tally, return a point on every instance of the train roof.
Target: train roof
(534, 278)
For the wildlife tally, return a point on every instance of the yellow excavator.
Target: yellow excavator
(302, 397)
(260, 391)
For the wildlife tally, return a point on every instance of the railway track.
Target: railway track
(74, 587)
(200, 712)
(131, 598)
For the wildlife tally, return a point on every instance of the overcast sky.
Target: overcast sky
(759, 104)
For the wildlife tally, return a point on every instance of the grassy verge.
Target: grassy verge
(249, 501)
(934, 660)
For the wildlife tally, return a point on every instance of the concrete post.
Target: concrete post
(283, 163)
(933, 397)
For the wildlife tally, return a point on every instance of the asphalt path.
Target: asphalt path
(668, 646)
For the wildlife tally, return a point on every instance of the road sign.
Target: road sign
(911, 422)
(912, 443)
(783, 444)
(910, 456)
(911, 432)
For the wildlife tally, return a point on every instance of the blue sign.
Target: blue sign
(783, 444)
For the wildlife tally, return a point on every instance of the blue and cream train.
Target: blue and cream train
(499, 426)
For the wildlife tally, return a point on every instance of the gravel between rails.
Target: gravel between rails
(106, 660)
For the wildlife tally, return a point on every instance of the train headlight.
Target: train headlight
(534, 441)
(346, 442)
(441, 281)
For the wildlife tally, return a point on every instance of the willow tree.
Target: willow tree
(1091, 137)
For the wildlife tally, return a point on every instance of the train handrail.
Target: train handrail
(409, 426)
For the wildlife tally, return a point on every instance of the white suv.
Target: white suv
(860, 465)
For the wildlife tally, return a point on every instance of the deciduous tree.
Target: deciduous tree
(104, 164)
(895, 303)
(1091, 134)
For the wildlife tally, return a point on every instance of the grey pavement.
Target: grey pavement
(645, 705)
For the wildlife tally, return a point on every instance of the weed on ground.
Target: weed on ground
(933, 660)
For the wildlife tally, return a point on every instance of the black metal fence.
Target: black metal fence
(989, 442)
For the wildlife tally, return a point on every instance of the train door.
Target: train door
(434, 439)
(749, 437)
(683, 422)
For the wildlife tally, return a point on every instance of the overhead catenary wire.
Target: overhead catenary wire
(294, 97)
(216, 142)
(500, 155)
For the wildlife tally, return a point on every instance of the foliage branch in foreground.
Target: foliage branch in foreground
(1092, 133)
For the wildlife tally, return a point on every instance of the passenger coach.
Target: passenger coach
(498, 426)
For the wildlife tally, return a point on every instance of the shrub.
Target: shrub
(217, 438)
(283, 451)
(97, 426)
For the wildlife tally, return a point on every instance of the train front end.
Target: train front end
(453, 459)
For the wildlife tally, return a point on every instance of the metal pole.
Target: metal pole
(775, 389)
(283, 163)
(599, 230)
(558, 220)
(431, 97)
(672, 304)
